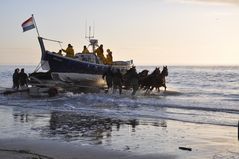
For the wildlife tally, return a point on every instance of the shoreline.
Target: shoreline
(28, 133)
(143, 141)
(45, 149)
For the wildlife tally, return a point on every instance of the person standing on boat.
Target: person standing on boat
(85, 50)
(23, 79)
(109, 57)
(60, 52)
(69, 51)
(15, 79)
(100, 53)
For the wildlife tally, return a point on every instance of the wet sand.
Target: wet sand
(46, 149)
(32, 134)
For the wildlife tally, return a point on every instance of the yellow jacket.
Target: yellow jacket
(85, 51)
(100, 54)
(69, 52)
(109, 59)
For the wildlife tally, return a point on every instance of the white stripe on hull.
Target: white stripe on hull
(85, 79)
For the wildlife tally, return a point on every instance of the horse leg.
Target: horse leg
(165, 87)
(114, 88)
(151, 88)
(135, 88)
(158, 89)
(147, 90)
(109, 87)
(120, 89)
(106, 91)
(109, 84)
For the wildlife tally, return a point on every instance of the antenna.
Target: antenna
(93, 28)
(89, 32)
(90, 37)
(86, 28)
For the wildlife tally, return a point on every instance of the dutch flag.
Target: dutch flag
(28, 24)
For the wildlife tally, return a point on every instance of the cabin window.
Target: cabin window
(86, 57)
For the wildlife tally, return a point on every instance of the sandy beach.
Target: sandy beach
(65, 135)
(45, 149)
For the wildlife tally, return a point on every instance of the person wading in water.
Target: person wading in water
(15, 79)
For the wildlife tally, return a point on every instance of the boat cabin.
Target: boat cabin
(88, 57)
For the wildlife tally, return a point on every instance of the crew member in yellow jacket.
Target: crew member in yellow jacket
(100, 53)
(109, 57)
(69, 51)
(85, 50)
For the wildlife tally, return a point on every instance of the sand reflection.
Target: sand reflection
(74, 126)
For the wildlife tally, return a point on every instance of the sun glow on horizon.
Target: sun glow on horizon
(170, 32)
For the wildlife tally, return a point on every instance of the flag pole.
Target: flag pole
(35, 25)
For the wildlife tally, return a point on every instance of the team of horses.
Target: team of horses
(135, 81)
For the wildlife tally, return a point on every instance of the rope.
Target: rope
(52, 40)
(38, 67)
(60, 45)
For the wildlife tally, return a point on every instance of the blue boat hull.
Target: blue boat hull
(61, 64)
(78, 69)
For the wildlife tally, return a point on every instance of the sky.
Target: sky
(151, 32)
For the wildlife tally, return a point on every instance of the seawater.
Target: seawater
(199, 108)
(197, 94)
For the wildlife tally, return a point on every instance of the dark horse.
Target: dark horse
(113, 79)
(160, 80)
(117, 80)
(149, 80)
(131, 80)
(141, 76)
(155, 80)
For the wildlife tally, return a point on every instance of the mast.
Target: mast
(44, 60)
(35, 25)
